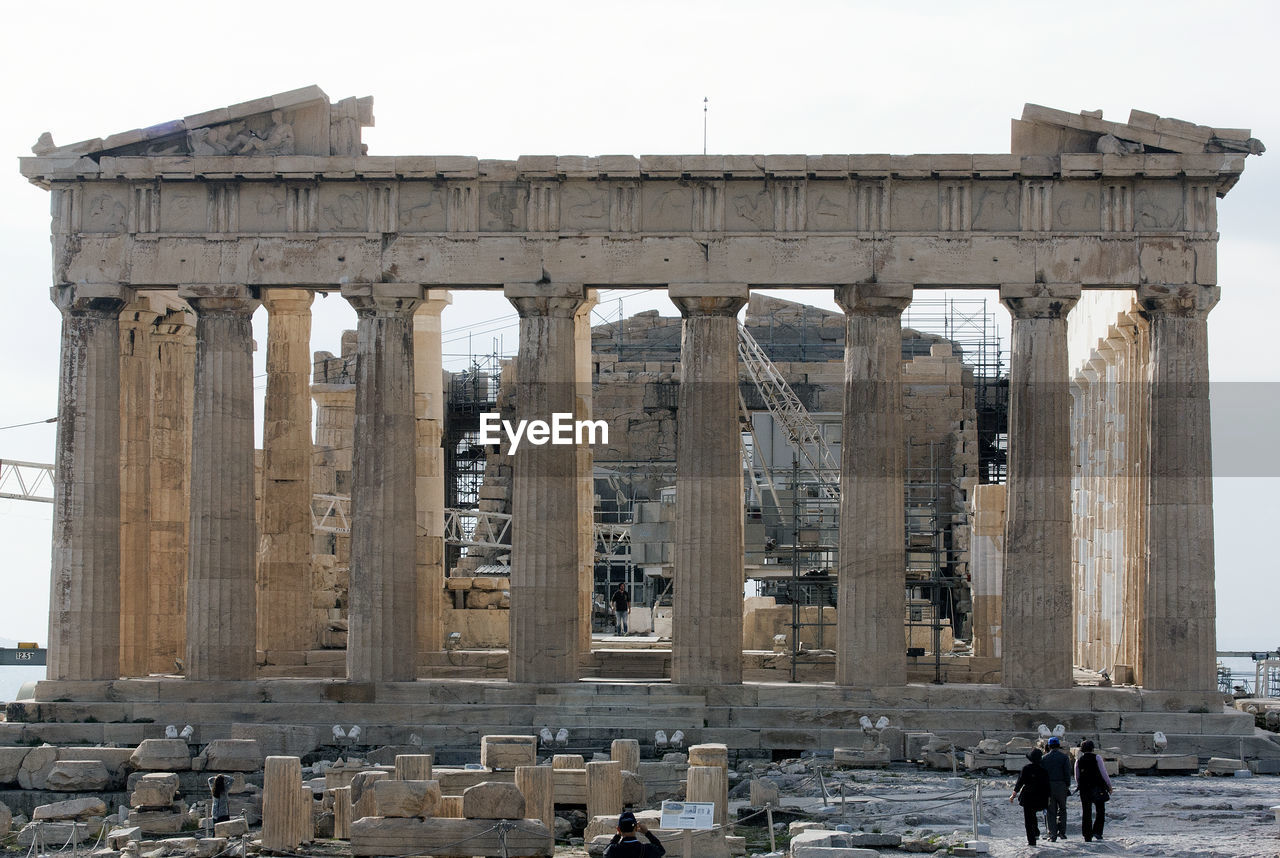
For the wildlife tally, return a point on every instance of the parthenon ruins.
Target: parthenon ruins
(176, 543)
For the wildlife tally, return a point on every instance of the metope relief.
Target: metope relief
(750, 207)
(422, 207)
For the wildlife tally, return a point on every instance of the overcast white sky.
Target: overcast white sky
(499, 80)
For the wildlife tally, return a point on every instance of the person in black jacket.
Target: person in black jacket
(1058, 765)
(625, 844)
(1032, 792)
(1094, 785)
(621, 602)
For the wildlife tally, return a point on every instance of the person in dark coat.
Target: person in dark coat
(1058, 765)
(625, 844)
(1032, 792)
(1094, 785)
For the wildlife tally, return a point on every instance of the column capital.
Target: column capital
(1039, 300)
(81, 299)
(874, 299)
(231, 298)
(434, 301)
(289, 299)
(1189, 300)
(178, 321)
(390, 298)
(709, 299)
(559, 300)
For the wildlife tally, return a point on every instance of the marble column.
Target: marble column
(383, 622)
(285, 618)
(1133, 328)
(1037, 627)
(84, 599)
(586, 483)
(137, 321)
(706, 636)
(871, 605)
(221, 604)
(172, 402)
(545, 569)
(1179, 631)
(429, 409)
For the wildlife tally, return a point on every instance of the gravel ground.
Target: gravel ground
(1171, 817)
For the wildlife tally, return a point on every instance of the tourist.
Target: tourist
(1058, 765)
(625, 844)
(1033, 784)
(1094, 786)
(621, 602)
(219, 789)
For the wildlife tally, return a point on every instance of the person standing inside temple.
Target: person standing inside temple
(1058, 765)
(621, 601)
(1032, 792)
(1094, 786)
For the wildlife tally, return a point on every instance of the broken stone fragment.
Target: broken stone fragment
(493, 800)
(78, 776)
(161, 755)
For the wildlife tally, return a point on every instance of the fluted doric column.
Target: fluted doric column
(545, 573)
(382, 636)
(429, 399)
(706, 634)
(1179, 649)
(137, 323)
(871, 604)
(84, 600)
(1038, 619)
(172, 398)
(285, 616)
(586, 461)
(221, 603)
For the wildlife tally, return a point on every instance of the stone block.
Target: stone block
(208, 847)
(231, 827)
(506, 753)
(10, 762)
(6, 819)
(404, 799)
(394, 837)
(633, 790)
(166, 755)
(76, 808)
(118, 837)
(232, 755)
(493, 800)
(55, 833)
(1178, 763)
(78, 776)
(282, 740)
(157, 789)
(158, 821)
(764, 792)
(115, 759)
(36, 764)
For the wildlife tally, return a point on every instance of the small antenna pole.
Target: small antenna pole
(705, 101)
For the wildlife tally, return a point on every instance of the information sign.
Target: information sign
(697, 815)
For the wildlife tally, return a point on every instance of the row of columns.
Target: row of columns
(394, 609)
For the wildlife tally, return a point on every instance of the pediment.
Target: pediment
(298, 122)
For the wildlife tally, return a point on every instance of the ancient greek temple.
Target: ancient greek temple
(183, 229)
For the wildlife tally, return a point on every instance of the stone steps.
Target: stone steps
(751, 717)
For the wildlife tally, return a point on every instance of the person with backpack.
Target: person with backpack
(1094, 786)
(1032, 792)
(625, 844)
